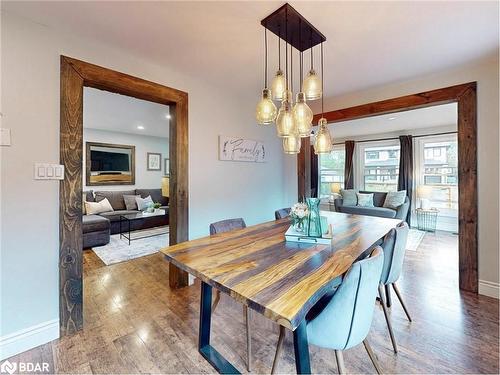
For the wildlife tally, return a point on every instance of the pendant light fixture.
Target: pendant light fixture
(301, 112)
(285, 124)
(323, 141)
(294, 120)
(312, 83)
(279, 81)
(266, 110)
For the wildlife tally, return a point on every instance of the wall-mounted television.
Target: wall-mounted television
(110, 164)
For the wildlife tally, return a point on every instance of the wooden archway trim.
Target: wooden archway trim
(75, 75)
(466, 98)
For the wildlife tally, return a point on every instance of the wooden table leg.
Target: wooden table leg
(301, 348)
(221, 364)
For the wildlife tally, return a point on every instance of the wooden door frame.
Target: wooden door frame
(465, 95)
(74, 76)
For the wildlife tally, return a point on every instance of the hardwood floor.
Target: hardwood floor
(134, 323)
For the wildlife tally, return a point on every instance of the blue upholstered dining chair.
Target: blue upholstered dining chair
(222, 227)
(342, 318)
(282, 213)
(394, 247)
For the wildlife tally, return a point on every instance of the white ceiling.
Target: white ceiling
(119, 113)
(368, 43)
(430, 117)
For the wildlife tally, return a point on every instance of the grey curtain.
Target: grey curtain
(405, 180)
(349, 168)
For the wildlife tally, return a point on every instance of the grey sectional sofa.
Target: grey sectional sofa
(98, 228)
(377, 210)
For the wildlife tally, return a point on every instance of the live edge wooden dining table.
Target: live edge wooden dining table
(281, 280)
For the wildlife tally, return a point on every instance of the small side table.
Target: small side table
(427, 218)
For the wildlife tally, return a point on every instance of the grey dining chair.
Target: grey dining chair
(394, 247)
(222, 227)
(282, 213)
(342, 318)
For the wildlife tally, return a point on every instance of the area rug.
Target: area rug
(415, 237)
(118, 250)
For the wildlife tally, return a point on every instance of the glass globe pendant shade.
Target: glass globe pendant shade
(291, 145)
(266, 111)
(278, 86)
(285, 124)
(312, 86)
(303, 116)
(323, 141)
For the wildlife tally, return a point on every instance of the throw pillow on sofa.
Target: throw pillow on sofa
(394, 199)
(143, 203)
(349, 197)
(130, 202)
(94, 208)
(365, 200)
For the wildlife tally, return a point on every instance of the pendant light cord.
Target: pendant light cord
(310, 43)
(279, 49)
(286, 51)
(301, 67)
(265, 54)
(322, 82)
(291, 68)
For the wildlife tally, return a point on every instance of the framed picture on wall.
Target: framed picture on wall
(166, 166)
(154, 161)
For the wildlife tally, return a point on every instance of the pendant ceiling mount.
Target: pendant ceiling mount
(293, 28)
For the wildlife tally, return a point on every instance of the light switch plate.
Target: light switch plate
(47, 171)
(5, 137)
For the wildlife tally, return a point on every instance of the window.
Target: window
(331, 169)
(436, 161)
(379, 166)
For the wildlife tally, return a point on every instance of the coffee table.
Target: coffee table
(128, 218)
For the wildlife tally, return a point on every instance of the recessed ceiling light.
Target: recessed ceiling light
(391, 118)
(168, 117)
(140, 127)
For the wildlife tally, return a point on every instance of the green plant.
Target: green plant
(157, 205)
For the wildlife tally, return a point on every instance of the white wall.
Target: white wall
(487, 76)
(144, 179)
(30, 209)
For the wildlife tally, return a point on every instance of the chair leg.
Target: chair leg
(279, 346)
(401, 301)
(340, 361)
(388, 299)
(380, 293)
(216, 300)
(372, 356)
(246, 312)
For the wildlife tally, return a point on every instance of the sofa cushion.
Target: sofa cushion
(349, 197)
(155, 195)
(94, 223)
(115, 215)
(369, 211)
(394, 199)
(94, 208)
(378, 197)
(130, 203)
(114, 197)
(365, 199)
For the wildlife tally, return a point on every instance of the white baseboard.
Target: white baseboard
(28, 338)
(490, 289)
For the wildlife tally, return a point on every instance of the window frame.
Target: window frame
(337, 147)
(359, 161)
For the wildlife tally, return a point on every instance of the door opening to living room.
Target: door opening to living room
(417, 146)
(124, 146)
(125, 177)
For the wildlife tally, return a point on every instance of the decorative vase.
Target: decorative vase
(314, 219)
(299, 226)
